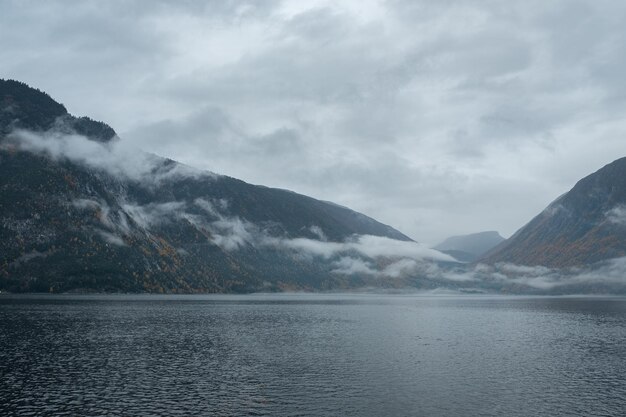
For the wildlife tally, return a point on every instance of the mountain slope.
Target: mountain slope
(470, 247)
(77, 212)
(583, 226)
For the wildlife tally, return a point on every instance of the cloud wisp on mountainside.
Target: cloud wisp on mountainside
(604, 277)
(115, 157)
(232, 233)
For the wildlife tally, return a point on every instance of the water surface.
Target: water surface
(286, 355)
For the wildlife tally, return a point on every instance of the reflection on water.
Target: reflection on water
(312, 355)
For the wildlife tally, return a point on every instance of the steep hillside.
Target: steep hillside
(583, 226)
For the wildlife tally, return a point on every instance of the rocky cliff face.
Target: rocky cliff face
(583, 226)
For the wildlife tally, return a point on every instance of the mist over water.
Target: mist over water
(291, 355)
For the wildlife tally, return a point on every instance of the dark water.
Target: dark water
(312, 355)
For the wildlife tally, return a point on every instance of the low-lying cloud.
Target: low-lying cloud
(606, 276)
(116, 157)
(617, 215)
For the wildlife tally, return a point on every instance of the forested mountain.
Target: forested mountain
(77, 213)
(584, 226)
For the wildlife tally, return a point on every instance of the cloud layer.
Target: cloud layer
(439, 118)
(117, 158)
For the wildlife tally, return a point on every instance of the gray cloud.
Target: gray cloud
(118, 158)
(439, 118)
(364, 245)
(111, 238)
(617, 215)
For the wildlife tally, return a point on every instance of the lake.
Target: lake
(322, 355)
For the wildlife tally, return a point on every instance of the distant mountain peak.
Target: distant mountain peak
(25, 107)
(470, 247)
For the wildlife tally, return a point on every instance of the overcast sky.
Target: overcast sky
(436, 117)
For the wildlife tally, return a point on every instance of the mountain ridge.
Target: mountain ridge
(470, 247)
